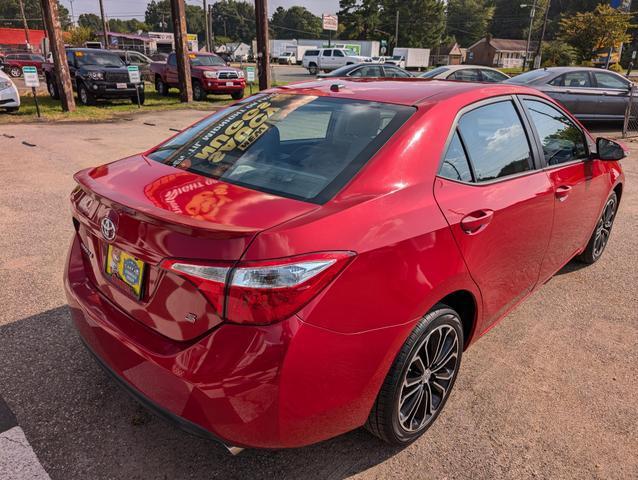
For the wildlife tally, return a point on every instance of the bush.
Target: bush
(558, 54)
(615, 67)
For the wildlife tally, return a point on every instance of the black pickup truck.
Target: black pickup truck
(95, 74)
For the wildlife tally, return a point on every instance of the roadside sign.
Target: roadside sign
(330, 22)
(250, 74)
(133, 74)
(135, 79)
(31, 77)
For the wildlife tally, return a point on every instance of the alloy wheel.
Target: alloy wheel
(428, 378)
(603, 228)
(15, 72)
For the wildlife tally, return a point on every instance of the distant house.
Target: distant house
(238, 51)
(446, 55)
(499, 52)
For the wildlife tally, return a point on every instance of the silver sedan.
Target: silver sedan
(466, 73)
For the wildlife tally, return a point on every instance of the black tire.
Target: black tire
(15, 72)
(600, 237)
(238, 95)
(428, 389)
(161, 87)
(12, 109)
(312, 69)
(199, 94)
(85, 97)
(142, 98)
(52, 88)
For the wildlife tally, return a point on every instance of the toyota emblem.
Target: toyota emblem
(108, 229)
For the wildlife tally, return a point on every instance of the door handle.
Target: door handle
(476, 221)
(563, 192)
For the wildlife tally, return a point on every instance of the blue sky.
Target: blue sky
(126, 9)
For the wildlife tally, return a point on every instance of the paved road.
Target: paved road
(551, 392)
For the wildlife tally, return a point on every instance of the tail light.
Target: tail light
(266, 291)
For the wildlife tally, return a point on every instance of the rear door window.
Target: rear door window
(495, 140)
(297, 146)
(327, 53)
(493, 76)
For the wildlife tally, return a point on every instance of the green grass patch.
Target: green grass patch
(105, 110)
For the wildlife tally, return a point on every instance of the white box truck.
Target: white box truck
(413, 57)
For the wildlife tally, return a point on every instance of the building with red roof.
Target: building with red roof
(15, 39)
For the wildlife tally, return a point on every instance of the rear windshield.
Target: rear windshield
(297, 146)
(433, 73)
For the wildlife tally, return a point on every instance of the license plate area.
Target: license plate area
(124, 270)
(120, 85)
(229, 84)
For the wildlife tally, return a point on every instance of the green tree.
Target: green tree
(361, 20)
(234, 19)
(295, 22)
(90, 21)
(558, 54)
(590, 31)
(158, 18)
(79, 35)
(469, 20)
(10, 13)
(421, 22)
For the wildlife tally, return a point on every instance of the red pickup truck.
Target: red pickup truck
(209, 74)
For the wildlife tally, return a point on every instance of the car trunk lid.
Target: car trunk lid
(162, 212)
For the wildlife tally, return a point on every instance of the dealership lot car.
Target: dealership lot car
(590, 94)
(317, 257)
(9, 96)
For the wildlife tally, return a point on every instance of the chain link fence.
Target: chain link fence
(630, 126)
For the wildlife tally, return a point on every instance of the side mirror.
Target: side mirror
(610, 150)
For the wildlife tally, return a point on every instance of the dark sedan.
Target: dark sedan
(368, 70)
(588, 93)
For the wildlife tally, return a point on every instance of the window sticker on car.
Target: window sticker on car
(235, 133)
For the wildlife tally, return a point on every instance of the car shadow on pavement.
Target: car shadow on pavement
(81, 424)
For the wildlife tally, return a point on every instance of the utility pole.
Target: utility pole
(529, 32)
(211, 28)
(72, 13)
(539, 47)
(26, 25)
(263, 54)
(56, 44)
(178, 13)
(207, 28)
(396, 29)
(105, 28)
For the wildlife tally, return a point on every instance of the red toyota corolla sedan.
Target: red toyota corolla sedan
(317, 257)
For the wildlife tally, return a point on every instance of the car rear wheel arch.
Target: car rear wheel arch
(464, 303)
(618, 191)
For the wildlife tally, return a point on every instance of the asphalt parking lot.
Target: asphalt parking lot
(549, 393)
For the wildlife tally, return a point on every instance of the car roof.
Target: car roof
(402, 91)
(461, 67)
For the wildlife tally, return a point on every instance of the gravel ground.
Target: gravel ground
(549, 393)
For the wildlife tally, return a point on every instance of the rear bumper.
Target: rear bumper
(288, 384)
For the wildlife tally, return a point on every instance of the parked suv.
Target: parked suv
(308, 261)
(13, 63)
(209, 74)
(95, 74)
(328, 59)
